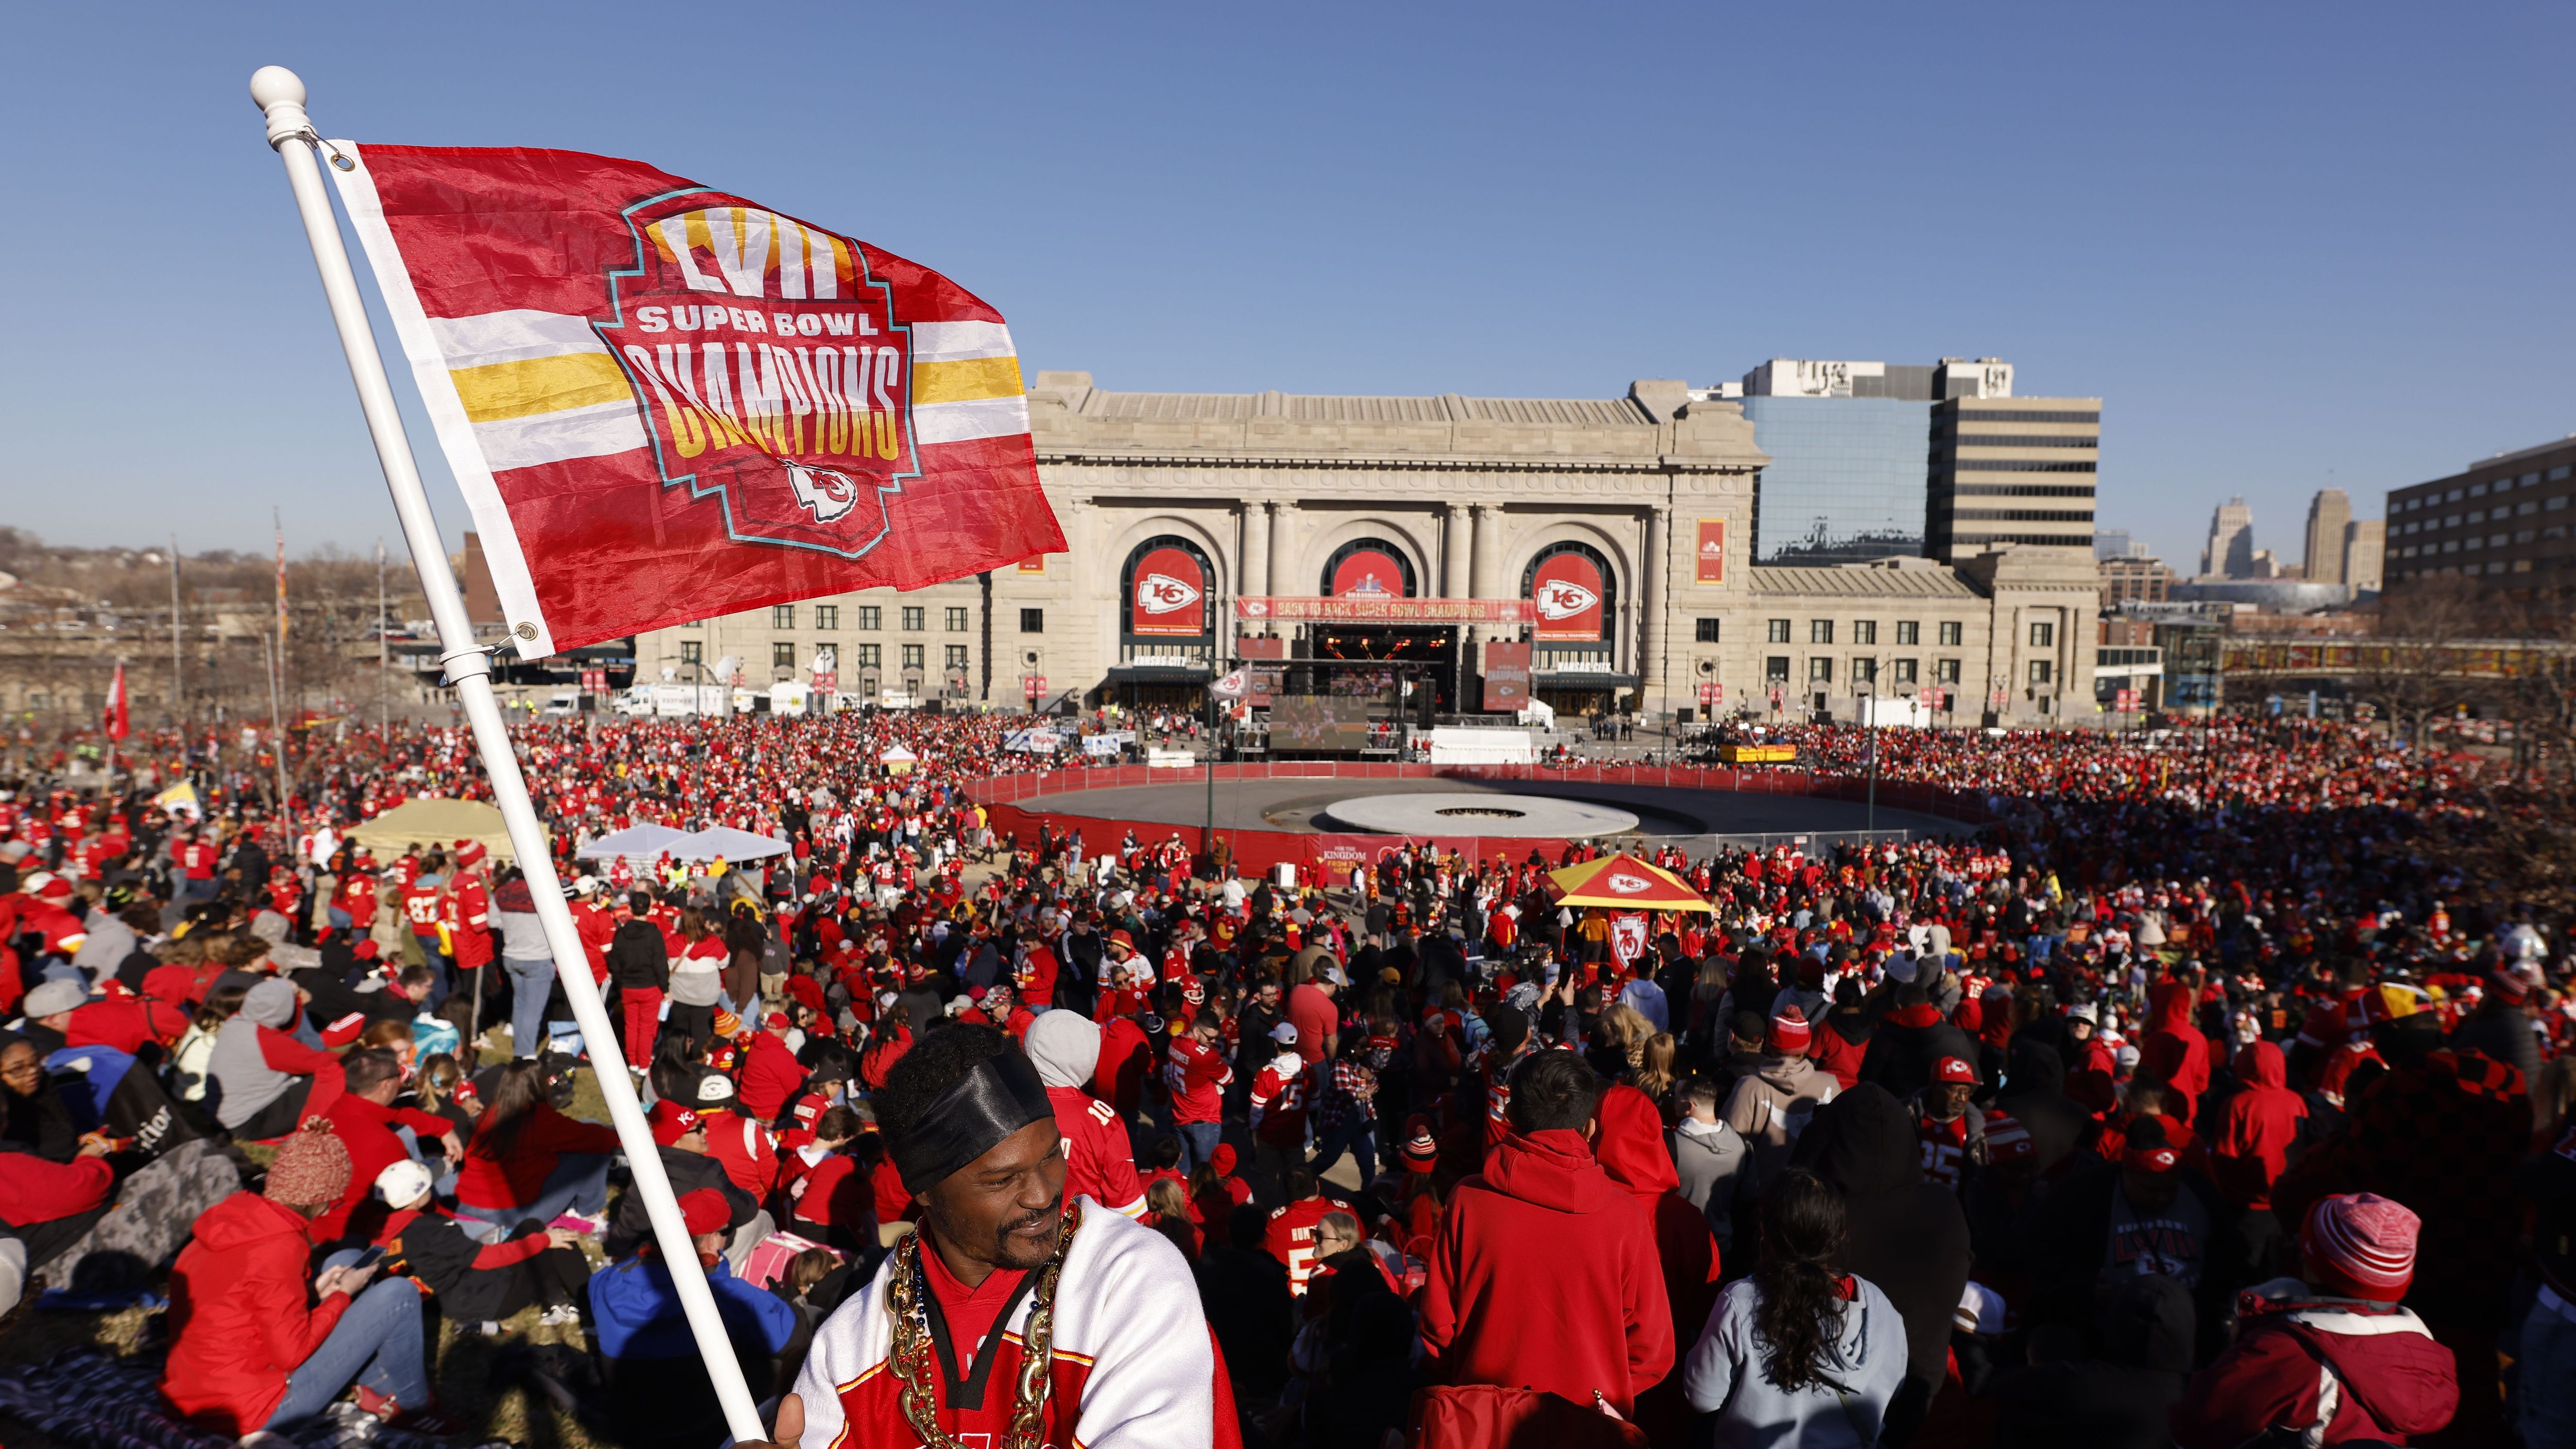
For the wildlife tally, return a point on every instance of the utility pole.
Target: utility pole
(178, 681)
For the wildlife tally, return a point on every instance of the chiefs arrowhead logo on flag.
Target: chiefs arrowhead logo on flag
(1627, 937)
(663, 401)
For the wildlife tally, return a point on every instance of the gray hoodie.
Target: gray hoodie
(1709, 1156)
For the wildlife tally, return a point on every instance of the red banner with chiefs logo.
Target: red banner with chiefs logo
(1507, 676)
(1565, 593)
(1369, 573)
(663, 401)
(1167, 597)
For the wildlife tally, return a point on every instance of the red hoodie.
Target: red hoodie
(34, 1190)
(238, 1324)
(1543, 1236)
(2174, 1049)
(2392, 1380)
(770, 1076)
(1630, 1147)
(2253, 1138)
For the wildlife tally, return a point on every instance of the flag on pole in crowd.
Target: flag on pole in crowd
(118, 721)
(1627, 938)
(1231, 686)
(663, 401)
(281, 582)
(179, 800)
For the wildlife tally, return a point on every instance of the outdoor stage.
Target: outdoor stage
(1270, 813)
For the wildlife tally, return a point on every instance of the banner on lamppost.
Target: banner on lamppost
(118, 719)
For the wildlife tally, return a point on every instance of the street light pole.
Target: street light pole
(1869, 723)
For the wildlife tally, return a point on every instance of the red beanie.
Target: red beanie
(2361, 1245)
(1788, 1033)
(1222, 1159)
(705, 1211)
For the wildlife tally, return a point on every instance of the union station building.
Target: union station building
(1441, 544)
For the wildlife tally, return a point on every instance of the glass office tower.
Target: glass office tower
(1846, 482)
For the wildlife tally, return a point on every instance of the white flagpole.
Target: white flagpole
(280, 97)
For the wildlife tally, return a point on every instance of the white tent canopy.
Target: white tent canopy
(897, 752)
(733, 846)
(636, 842)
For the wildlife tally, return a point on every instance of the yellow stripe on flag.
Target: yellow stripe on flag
(967, 381)
(503, 390)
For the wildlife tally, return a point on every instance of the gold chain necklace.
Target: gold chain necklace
(916, 1360)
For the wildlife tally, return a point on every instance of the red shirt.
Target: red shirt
(1196, 1078)
(1099, 1163)
(970, 1311)
(1315, 1017)
(1290, 1238)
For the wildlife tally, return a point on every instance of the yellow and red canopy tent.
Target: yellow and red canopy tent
(1623, 883)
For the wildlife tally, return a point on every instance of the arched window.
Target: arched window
(1574, 597)
(1369, 568)
(1168, 590)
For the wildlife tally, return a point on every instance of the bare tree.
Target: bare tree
(2415, 668)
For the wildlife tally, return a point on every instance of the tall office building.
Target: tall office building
(1848, 442)
(2009, 470)
(2507, 515)
(2229, 554)
(2329, 513)
(2365, 546)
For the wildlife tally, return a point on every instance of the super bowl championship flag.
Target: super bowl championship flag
(664, 402)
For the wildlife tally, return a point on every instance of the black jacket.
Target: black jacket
(1901, 1054)
(628, 1223)
(2035, 1096)
(2117, 1399)
(1906, 1234)
(435, 1249)
(2071, 1237)
(638, 958)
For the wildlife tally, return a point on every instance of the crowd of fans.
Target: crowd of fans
(2188, 1103)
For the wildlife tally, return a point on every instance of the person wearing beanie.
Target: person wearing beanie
(2442, 1132)
(2329, 1355)
(1772, 1103)
(659, 1394)
(1099, 1160)
(246, 1352)
(266, 1077)
(1909, 1039)
(1001, 1247)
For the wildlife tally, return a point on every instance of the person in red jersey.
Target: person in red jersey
(1195, 1071)
(1100, 1161)
(1016, 1301)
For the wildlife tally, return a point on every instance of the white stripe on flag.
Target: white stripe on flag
(964, 422)
(513, 336)
(960, 341)
(511, 578)
(592, 432)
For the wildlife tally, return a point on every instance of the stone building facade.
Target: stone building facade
(1609, 535)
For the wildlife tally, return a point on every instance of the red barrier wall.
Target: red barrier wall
(1017, 804)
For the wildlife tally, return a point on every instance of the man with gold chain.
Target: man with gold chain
(1014, 1318)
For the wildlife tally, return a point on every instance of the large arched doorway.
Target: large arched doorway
(1167, 632)
(1574, 622)
(1382, 651)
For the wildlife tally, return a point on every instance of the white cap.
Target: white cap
(402, 1182)
(1284, 1033)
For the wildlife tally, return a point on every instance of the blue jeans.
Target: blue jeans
(2546, 1387)
(377, 1342)
(1198, 1143)
(531, 982)
(579, 1184)
(441, 971)
(1357, 1137)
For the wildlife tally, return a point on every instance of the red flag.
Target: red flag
(118, 723)
(663, 401)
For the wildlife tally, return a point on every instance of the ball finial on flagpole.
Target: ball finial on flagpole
(279, 94)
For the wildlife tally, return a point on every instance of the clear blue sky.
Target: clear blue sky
(2288, 244)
